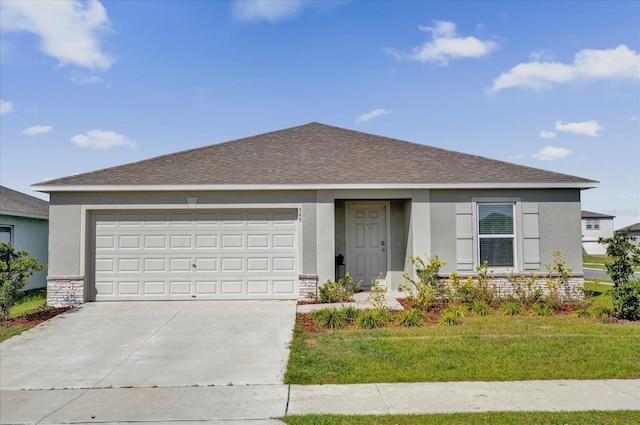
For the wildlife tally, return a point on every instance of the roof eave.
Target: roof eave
(24, 214)
(320, 186)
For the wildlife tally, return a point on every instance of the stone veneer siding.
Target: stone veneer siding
(307, 284)
(572, 290)
(63, 291)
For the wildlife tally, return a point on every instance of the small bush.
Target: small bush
(351, 313)
(449, 319)
(378, 295)
(456, 310)
(422, 292)
(330, 318)
(583, 312)
(541, 310)
(511, 308)
(626, 300)
(371, 319)
(602, 312)
(480, 308)
(340, 291)
(411, 318)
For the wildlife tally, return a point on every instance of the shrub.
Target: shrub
(411, 318)
(483, 290)
(557, 276)
(351, 313)
(449, 319)
(541, 310)
(463, 291)
(625, 252)
(583, 312)
(422, 291)
(15, 270)
(457, 310)
(602, 312)
(340, 291)
(511, 308)
(525, 290)
(371, 319)
(626, 300)
(330, 318)
(377, 296)
(480, 308)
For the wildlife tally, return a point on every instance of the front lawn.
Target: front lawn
(618, 417)
(29, 311)
(489, 348)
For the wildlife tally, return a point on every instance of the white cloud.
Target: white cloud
(268, 10)
(588, 64)
(371, 115)
(5, 107)
(445, 45)
(99, 139)
(547, 134)
(541, 54)
(550, 153)
(82, 79)
(37, 129)
(586, 128)
(69, 31)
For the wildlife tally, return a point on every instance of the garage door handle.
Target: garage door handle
(194, 266)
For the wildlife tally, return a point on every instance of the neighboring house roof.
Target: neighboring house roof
(589, 214)
(632, 228)
(312, 156)
(20, 204)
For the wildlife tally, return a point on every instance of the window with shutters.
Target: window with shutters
(496, 234)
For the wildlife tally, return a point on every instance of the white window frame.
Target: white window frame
(513, 235)
(593, 224)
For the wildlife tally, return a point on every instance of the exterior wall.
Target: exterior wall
(31, 235)
(558, 225)
(71, 219)
(590, 237)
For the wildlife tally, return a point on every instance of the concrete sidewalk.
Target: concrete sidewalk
(259, 404)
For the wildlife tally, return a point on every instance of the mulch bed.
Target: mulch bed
(308, 325)
(34, 318)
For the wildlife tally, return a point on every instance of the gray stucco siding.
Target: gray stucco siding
(31, 235)
(71, 215)
(558, 223)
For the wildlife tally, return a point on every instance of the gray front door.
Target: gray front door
(367, 258)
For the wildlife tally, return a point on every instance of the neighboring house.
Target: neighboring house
(24, 221)
(634, 230)
(267, 216)
(595, 226)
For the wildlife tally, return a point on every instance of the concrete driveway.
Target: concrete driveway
(153, 344)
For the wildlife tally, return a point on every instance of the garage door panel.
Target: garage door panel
(206, 255)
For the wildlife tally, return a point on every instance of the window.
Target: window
(5, 233)
(593, 223)
(496, 234)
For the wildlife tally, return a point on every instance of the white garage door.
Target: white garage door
(218, 254)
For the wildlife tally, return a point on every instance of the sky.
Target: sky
(86, 85)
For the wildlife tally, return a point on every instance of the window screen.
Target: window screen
(496, 234)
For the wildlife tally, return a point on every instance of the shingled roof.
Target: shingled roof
(20, 204)
(316, 154)
(591, 214)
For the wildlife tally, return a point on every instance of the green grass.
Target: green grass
(598, 262)
(598, 293)
(490, 348)
(30, 302)
(617, 417)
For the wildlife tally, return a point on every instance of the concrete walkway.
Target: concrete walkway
(259, 404)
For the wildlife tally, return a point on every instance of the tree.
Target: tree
(625, 252)
(15, 270)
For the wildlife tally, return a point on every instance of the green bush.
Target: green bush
(449, 319)
(511, 308)
(372, 319)
(15, 270)
(583, 312)
(411, 318)
(602, 312)
(422, 291)
(480, 308)
(330, 318)
(626, 300)
(351, 313)
(541, 310)
(456, 310)
(340, 291)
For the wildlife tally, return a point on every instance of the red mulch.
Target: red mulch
(34, 318)
(308, 325)
(404, 303)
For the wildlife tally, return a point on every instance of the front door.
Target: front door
(367, 229)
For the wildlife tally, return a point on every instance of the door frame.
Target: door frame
(349, 205)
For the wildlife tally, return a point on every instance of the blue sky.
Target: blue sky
(554, 85)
